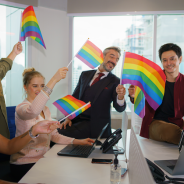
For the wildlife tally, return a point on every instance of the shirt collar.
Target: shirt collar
(105, 73)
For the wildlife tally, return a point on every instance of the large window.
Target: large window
(135, 34)
(130, 33)
(9, 35)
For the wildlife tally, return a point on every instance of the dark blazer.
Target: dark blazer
(101, 105)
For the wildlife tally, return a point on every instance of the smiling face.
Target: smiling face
(170, 62)
(110, 60)
(34, 87)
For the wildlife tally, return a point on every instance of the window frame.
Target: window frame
(114, 114)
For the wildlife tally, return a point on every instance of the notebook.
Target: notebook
(84, 151)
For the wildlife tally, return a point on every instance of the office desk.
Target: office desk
(70, 170)
(155, 150)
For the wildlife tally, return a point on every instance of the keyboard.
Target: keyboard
(81, 150)
(77, 150)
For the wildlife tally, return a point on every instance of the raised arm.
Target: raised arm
(6, 63)
(16, 144)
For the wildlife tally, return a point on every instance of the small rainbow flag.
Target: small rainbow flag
(139, 102)
(90, 54)
(145, 74)
(30, 27)
(70, 106)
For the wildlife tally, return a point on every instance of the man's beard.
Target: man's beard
(106, 69)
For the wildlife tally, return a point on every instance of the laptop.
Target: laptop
(84, 151)
(174, 167)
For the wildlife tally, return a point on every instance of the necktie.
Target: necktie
(98, 78)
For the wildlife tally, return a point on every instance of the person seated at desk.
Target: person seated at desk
(100, 87)
(28, 113)
(166, 123)
(16, 144)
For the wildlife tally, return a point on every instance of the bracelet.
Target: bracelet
(47, 90)
(31, 135)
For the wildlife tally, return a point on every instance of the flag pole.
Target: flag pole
(74, 112)
(77, 53)
(122, 66)
(20, 27)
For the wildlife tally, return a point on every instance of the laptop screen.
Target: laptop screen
(101, 133)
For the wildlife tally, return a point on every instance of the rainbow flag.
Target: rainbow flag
(139, 102)
(30, 27)
(69, 104)
(90, 54)
(145, 74)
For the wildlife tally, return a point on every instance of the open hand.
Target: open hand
(45, 127)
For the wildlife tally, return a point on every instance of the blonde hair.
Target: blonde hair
(30, 73)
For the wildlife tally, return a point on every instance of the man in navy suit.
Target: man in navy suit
(100, 87)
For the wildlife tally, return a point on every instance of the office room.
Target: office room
(140, 27)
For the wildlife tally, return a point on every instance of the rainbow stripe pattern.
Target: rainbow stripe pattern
(139, 102)
(30, 27)
(90, 54)
(69, 104)
(145, 74)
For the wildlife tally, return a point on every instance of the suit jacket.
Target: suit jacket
(101, 105)
(5, 65)
(178, 108)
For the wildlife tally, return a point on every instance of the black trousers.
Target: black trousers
(80, 129)
(18, 171)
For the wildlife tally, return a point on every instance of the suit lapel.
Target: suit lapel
(87, 80)
(106, 81)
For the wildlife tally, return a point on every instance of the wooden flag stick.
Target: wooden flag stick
(77, 53)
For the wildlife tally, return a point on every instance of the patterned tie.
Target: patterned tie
(98, 78)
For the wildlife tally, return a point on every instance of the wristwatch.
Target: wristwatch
(31, 135)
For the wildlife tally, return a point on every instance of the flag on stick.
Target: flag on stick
(70, 106)
(145, 74)
(90, 54)
(30, 27)
(139, 102)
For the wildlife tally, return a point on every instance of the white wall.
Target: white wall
(54, 25)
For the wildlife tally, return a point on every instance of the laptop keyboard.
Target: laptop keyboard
(81, 150)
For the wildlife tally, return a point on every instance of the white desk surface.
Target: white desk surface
(69, 170)
(154, 150)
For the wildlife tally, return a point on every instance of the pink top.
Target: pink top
(28, 114)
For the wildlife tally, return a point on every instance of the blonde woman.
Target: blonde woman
(31, 111)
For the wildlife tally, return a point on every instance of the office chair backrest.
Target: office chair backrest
(11, 120)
